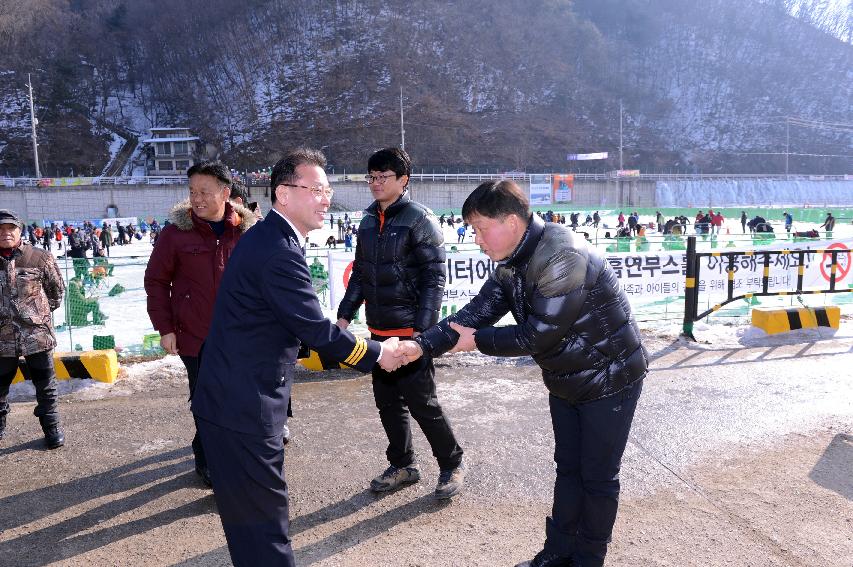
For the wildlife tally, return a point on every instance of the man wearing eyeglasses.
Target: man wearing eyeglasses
(267, 306)
(399, 273)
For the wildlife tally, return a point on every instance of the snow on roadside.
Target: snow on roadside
(733, 335)
(168, 371)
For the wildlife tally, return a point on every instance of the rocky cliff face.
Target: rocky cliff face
(512, 84)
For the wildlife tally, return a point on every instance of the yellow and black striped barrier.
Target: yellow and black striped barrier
(780, 320)
(100, 365)
(317, 363)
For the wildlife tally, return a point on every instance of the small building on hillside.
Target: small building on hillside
(170, 151)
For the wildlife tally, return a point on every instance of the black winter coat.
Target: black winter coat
(399, 272)
(572, 317)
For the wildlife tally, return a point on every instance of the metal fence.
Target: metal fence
(263, 180)
(691, 298)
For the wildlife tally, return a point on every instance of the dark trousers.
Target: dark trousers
(251, 494)
(191, 364)
(411, 390)
(43, 377)
(589, 441)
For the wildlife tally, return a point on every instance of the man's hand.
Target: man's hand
(169, 342)
(342, 323)
(392, 358)
(411, 351)
(466, 338)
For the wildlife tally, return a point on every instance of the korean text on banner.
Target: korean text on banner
(540, 190)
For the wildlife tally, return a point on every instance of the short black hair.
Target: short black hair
(391, 159)
(285, 170)
(213, 168)
(497, 199)
(238, 189)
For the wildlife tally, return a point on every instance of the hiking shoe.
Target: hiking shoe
(547, 559)
(450, 482)
(395, 477)
(2, 425)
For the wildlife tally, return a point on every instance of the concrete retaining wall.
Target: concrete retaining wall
(91, 202)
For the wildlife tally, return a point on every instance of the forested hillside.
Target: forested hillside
(516, 84)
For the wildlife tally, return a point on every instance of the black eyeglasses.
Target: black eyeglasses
(378, 179)
(319, 191)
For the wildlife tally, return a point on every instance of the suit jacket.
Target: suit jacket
(265, 308)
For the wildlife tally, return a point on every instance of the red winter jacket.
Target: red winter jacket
(184, 270)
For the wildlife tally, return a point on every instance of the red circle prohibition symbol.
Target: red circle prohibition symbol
(843, 267)
(348, 273)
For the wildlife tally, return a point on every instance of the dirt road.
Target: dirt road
(741, 454)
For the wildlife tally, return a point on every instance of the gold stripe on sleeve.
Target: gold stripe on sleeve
(358, 352)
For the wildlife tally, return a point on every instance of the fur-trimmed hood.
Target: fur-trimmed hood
(236, 215)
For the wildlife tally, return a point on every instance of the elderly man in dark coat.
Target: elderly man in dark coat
(265, 310)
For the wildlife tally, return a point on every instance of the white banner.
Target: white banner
(585, 157)
(540, 190)
(784, 269)
(466, 274)
(651, 275)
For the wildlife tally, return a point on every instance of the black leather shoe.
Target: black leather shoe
(53, 435)
(204, 473)
(547, 559)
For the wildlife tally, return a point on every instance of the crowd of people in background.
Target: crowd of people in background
(76, 241)
(705, 223)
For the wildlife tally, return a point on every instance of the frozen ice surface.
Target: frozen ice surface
(732, 192)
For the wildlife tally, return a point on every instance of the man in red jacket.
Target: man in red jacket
(186, 265)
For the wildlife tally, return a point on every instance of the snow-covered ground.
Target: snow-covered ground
(128, 319)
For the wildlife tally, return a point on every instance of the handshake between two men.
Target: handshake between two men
(396, 353)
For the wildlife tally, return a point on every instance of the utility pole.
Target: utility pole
(787, 143)
(34, 122)
(402, 129)
(620, 133)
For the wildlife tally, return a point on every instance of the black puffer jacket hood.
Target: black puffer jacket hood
(571, 316)
(399, 271)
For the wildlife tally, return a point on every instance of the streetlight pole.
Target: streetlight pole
(620, 134)
(34, 122)
(787, 143)
(402, 129)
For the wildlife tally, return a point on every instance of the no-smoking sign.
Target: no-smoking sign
(843, 261)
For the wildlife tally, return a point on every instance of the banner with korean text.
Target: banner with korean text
(466, 274)
(563, 184)
(654, 275)
(540, 190)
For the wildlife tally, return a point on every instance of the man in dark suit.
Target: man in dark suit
(266, 307)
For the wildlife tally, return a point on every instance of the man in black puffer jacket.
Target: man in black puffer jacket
(399, 273)
(574, 320)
